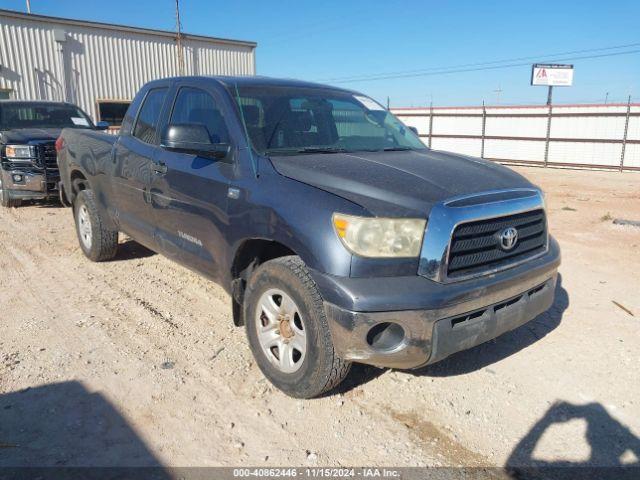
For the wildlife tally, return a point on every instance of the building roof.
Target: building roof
(121, 28)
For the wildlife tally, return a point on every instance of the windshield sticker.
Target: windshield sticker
(368, 103)
(79, 121)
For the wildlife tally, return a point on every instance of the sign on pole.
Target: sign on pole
(552, 75)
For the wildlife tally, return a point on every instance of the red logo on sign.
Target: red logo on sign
(542, 73)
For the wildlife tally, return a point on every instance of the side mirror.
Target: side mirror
(414, 130)
(193, 139)
(102, 125)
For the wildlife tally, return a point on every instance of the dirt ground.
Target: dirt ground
(137, 362)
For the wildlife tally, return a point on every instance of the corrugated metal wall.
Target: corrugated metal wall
(102, 63)
(579, 135)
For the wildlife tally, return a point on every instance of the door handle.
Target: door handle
(159, 168)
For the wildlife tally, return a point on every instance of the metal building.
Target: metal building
(100, 66)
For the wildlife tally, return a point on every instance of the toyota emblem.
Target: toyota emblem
(508, 238)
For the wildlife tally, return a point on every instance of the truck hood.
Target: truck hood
(404, 183)
(24, 135)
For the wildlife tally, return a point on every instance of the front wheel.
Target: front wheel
(288, 331)
(98, 242)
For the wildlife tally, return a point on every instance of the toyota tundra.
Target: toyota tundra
(338, 234)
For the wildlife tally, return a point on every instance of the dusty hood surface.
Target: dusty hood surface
(405, 183)
(24, 135)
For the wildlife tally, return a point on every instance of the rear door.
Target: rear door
(189, 192)
(135, 154)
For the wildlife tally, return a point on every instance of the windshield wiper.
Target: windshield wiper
(322, 150)
(397, 149)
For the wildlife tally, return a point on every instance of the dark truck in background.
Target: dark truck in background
(28, 131)
(339, 236)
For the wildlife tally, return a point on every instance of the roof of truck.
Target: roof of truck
(260, 81)
(270, 81)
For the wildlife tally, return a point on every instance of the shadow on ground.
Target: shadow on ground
(614, 449)
(131, 250)
(52, 203)
(63, 425)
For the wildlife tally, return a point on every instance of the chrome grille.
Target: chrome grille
(49, 156)
(475, 246)
(47, 160)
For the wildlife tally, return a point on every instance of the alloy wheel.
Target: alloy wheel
(281, 331)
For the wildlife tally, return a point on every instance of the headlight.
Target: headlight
(19, 151)
(380, 237)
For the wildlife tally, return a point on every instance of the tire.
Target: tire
(309, 366)
(6, 200)
(97, 242)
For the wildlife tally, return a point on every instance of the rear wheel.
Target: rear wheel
(6, 200)
(288, 331)
(97, 242)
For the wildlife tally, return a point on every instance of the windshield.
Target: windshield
(290, 120)
(41, 115)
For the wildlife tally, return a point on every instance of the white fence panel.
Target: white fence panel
(457, 125)
(588, 127)
(516, 127)
(577, 135)
(462, 146)
(632, 156)
(528, 151)
(585, 153)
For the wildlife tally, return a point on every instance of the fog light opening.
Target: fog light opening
(385, 336)
(17, 178)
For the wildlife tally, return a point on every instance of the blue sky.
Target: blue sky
(329, 39)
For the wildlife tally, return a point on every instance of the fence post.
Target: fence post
(626, 132)
(546, 144)
(430, 122)
(484, 125)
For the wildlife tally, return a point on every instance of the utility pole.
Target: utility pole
(498, 91)
(179, 40)
(549, 95)
(606, 98)
(28, 6)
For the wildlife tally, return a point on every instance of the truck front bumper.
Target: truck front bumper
(28, 185)
(408, 322)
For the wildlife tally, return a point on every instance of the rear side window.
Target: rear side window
(149, 116)
(195, 106)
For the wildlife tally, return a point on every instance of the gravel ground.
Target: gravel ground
(137, 362)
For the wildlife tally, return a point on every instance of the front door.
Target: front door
(189, 192)
(135, 155)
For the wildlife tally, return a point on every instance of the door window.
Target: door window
(149, 116)
(194, 106)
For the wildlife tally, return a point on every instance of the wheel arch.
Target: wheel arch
(249, 254)
(78, 181)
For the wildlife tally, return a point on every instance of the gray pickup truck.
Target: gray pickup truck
(339, 236)
(28, 131)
